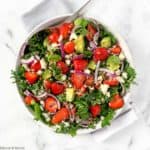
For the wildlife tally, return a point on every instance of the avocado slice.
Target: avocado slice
(113, 62)
(46, 74)
(70, 94)
(45, 42)
(92, 65)
(106, 42)
(79, 44)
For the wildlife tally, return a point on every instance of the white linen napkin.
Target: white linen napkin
(43, 10)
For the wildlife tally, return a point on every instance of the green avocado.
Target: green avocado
(79, 44)
(46, 74)
(113, 62)
(106, 42)
(69, 94)
(92, 65)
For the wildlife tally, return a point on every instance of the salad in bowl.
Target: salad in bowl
(74, 76)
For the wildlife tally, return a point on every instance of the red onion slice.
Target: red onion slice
(95, 38)
(58, 103)
(96, 71)
(62, 50)
(28, 61)
(78, 56)
(109, 73)
(92, 45)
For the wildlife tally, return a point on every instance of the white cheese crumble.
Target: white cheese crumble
(118, 72)
(67, 56)
(68, 62)
(69, 85)
(60, 38)
(43, 63)
(120, 79)
(73, 36)
(121, 56)
(87, 71)
(54, 45)
(63, 77)
(26, 67)
(42, 103)
(100, 78)
(104, 88)
(39, 72)
(108, 94)
(125, 75)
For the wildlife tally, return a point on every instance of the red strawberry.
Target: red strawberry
(36, 66)
(95, 110)
(31, 77)
(91, 32)
(63, 67)
(57, 88)
(80, 64)
(69, 47)
(47, 84)
(77, 80)
(50, 105)
(100, 54)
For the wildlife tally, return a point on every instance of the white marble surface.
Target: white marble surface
(130, 18)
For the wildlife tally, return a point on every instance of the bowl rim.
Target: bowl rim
(57, 20)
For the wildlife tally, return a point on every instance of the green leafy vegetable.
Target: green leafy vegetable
(35, 43)
(82, 24)
(82, 108)
(105, 33)
(36, 88)
(131, 74)
(19, 79)
(53, 57)
(37, 111)
(87, 54)
(108, 116)
(70, 129)
(62, 97)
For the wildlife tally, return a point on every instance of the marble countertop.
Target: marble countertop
(17, 129)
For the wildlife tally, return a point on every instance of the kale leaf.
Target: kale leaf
(35, 43)
(131, 74)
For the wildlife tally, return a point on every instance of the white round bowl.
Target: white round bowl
(58, 20)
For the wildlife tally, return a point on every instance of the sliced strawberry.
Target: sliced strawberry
(91, 32)
(50, 105)
(64, 68)
(95, 110)
(116, 102)
(77, 80)
(31, 77)
(65, 29)
(80, 64)
(90, 80)
(111, 82)
(60, 116)
(35, 66)
(28, 100)
(100, 54)
(69, 47)
(53, 37)
(116, 50)
(47, 84)
(57, 88)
